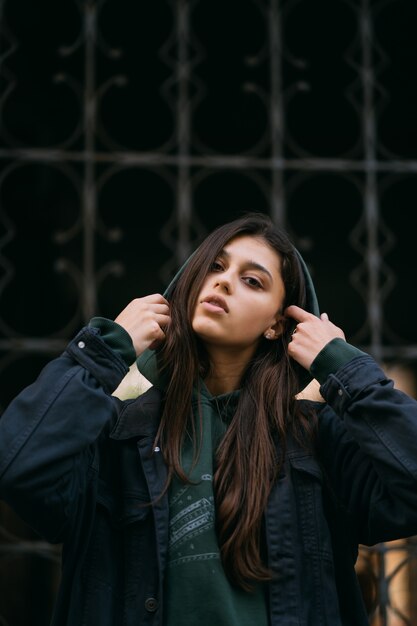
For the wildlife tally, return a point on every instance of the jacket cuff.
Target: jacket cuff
(333, 356)
(92, 353)
(115, 337)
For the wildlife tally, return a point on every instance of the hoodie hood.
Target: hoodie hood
(147, 361)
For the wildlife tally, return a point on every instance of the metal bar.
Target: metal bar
(157, 159)
(89, 190)
(373, 259)
(182, 160)
(20, 344)
(383, 593)
(276, 115)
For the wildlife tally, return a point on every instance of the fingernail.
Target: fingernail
(324, 316)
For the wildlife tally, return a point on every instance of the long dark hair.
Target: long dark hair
(247, 461)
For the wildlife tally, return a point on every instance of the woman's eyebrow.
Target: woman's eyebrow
(252, 265)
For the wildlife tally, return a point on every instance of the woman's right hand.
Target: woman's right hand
(145, 319)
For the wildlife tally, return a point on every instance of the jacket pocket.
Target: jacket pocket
(307, 479)
(124, 508)
(120, 544)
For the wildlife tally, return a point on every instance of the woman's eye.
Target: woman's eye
(253, 282)
(216, 267)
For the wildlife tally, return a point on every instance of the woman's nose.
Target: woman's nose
(223, 282)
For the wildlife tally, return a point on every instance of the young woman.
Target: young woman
(216, 497)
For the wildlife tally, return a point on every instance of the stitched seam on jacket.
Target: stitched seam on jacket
(37, 419)
(391, 447)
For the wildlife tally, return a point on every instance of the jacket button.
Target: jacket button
(81, 345)
(151, 604)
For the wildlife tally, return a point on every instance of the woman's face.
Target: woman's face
(241, 297)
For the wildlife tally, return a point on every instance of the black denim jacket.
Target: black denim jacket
(79, 466)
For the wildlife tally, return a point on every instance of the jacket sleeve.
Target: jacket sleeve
(368, 446)
(48, 432)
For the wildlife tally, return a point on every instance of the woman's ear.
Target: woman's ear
(276, 329)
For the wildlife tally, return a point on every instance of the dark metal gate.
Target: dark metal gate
(129, 130)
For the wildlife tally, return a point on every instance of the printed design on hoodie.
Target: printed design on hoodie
(192, 520)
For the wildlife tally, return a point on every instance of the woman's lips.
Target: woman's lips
(215, 304)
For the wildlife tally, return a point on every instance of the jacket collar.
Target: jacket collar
(140, 417)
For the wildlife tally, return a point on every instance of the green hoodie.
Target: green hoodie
(197, 590)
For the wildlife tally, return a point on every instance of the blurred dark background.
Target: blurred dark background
(130, 129)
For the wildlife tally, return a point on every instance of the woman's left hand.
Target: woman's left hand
(310, 335)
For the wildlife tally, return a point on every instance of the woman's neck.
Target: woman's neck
(226, 371)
